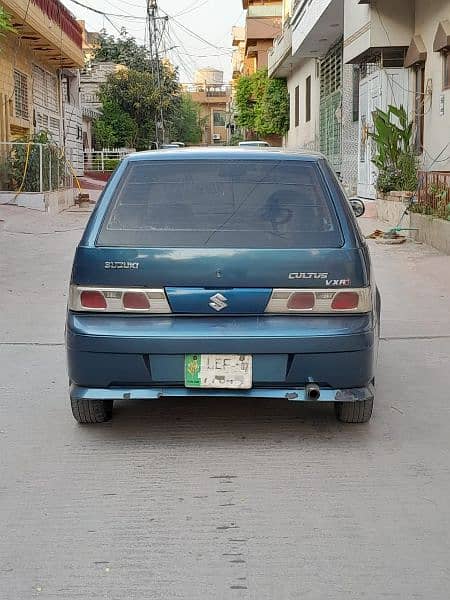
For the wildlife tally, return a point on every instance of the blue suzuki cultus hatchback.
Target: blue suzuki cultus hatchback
(222, 272)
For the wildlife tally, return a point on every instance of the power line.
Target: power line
(196, 35)
(191, 8)
(105, 14)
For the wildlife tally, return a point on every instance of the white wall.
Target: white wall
(306, 135)
(386, 23)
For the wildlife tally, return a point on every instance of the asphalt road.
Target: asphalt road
(221, 499)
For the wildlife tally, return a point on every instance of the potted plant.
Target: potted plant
(395, 158)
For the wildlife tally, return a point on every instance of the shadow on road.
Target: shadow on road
(211, 421)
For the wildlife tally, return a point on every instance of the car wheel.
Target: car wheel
(92, 411)
(354, 412)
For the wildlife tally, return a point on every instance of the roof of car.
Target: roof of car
(225, 153)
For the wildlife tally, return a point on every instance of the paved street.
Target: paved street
(226, 499)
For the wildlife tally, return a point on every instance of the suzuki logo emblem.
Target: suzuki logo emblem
(218, 302)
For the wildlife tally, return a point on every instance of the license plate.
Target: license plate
(225, 371)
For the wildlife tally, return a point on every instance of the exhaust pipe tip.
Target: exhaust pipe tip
(312, 391)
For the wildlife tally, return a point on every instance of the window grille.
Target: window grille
(21, 95)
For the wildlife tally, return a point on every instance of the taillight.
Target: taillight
(118, 300)
(323, 301)
(93, 299)
(135, 301)
(301, 301)
(345, 301)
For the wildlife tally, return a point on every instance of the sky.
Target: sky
(212, 20)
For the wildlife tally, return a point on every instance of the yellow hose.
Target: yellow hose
(25, 169)
(72, 170)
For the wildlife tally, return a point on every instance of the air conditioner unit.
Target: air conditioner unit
(216, 136)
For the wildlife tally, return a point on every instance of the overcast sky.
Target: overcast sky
(210, 19)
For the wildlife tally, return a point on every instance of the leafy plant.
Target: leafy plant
(131, 102)
(439, 191)
(262, 104)
(122, 50)
(395, 158)
(5, 23)
(236, 138)
(186, 124)
(22, 166)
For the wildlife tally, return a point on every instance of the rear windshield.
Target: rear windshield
(221, 204)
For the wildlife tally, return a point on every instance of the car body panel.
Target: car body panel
(169, 267)
(118, 355)
(155, 393)
(107, 350)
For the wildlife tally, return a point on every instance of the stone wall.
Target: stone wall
(51, 202)
(349, 169)
(424, 229)
(391, 208)
(432, 231)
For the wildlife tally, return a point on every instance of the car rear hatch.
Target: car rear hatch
(234, 229)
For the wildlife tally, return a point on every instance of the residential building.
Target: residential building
(214, 97)
(93, 76)
(89, 43)
(262, 25)
(239, 60)
(402, 50)
(39, 75)
(309, 55)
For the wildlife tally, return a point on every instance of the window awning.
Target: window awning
(417, 52)
(442, 37)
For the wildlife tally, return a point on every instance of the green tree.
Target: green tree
(5, 23)
(262, 104)
(131, 106)
(123, 50)
(115, 127)
(186, 125)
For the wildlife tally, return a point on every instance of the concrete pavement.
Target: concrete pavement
(226, 499)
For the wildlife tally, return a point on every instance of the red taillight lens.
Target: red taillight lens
(301, 301)
(136, 301)
(345, 301)
(93, 299)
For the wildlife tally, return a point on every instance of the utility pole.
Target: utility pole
(156, 28)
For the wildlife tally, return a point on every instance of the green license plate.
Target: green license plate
(221, 371)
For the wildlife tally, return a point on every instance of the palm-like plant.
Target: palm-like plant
(393, 133)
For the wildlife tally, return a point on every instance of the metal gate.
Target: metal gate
(331, 106)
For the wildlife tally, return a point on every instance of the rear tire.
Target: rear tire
(354, 412)
(92, 411)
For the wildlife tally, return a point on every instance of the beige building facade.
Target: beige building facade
(214, 98)
(39, 75)
(262, 25)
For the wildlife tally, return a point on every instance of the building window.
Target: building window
(446, 63)
(219, 119)
(308, 99)
(297, 106)
(21, 95)
(355, 93)
(419, 117)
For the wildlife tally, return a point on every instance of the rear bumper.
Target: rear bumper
(150, 393)
(131, 353)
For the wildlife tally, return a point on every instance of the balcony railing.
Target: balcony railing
(209, 90)
(300, 7)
